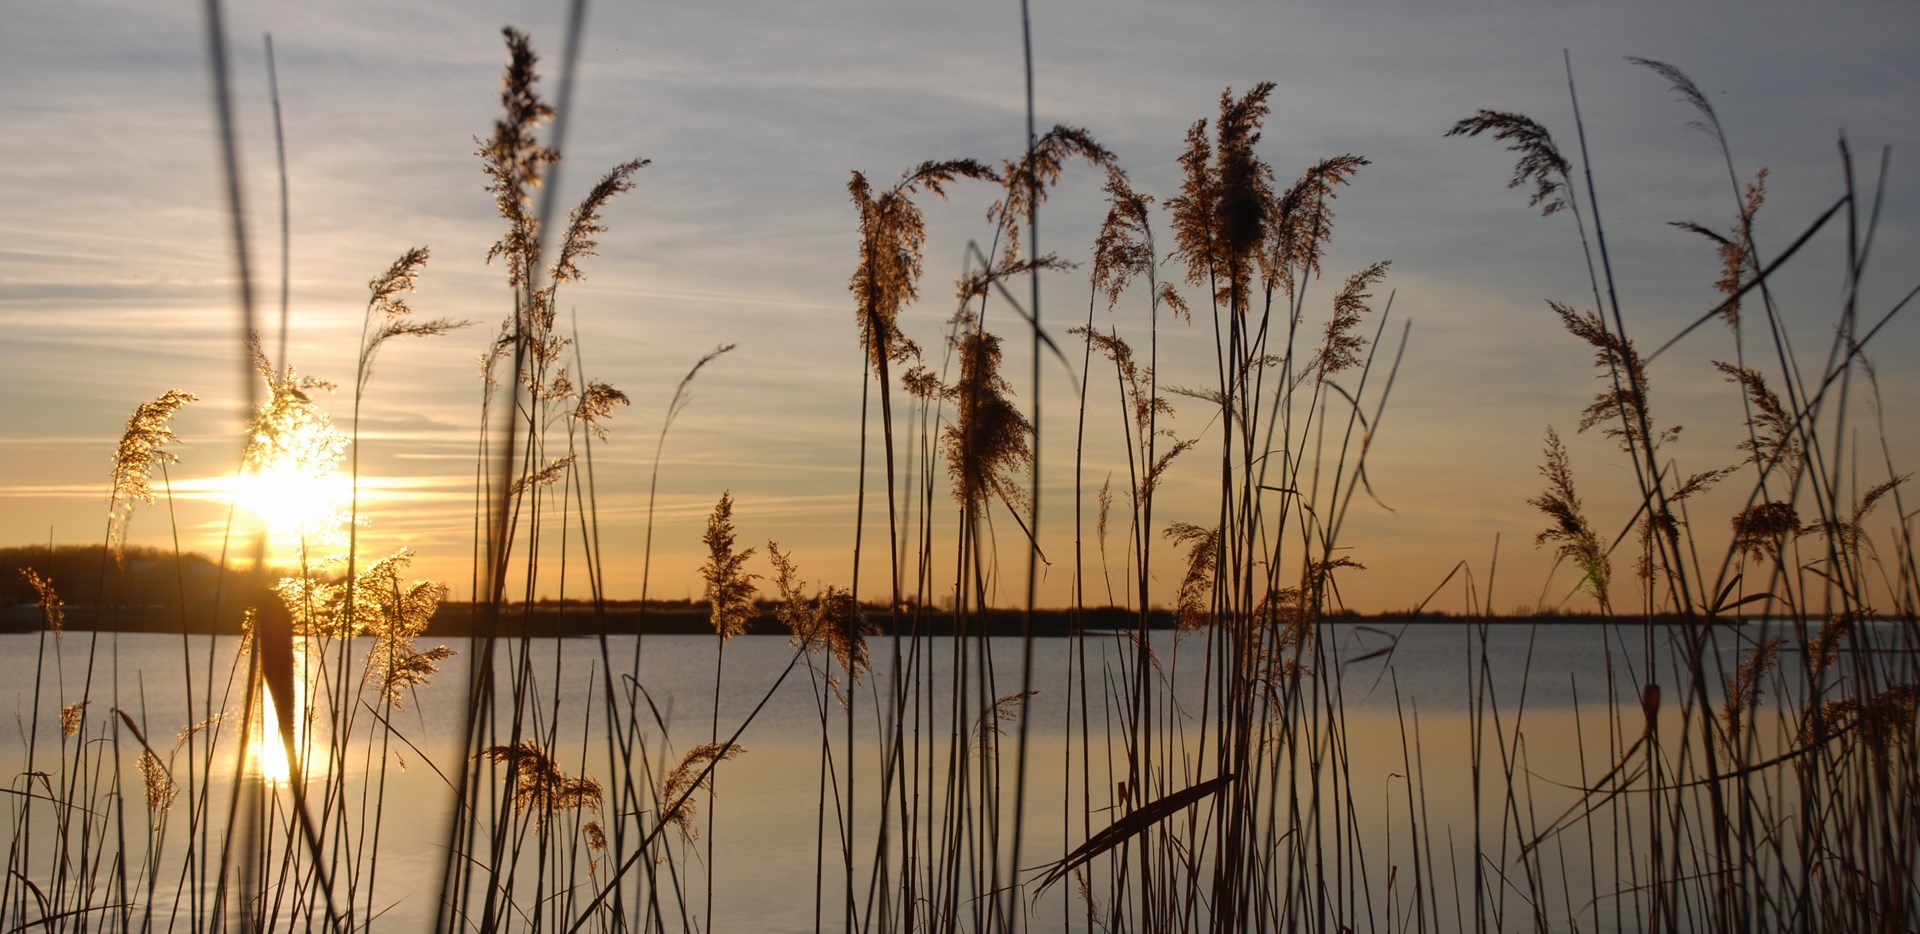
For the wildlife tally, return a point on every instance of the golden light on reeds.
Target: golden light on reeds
(288, 481)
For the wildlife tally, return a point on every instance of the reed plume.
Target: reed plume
(989, 445)
(729, 587)
(388, 315)
(1300, 222)
(160, 786)
(694, 772)
(1735, 248)
(143, 444)
(596, 406)
(1577, 540)
(1342, 347)
(1622, 406)
(514, 161)
(831, 620)
(53, 611)
(1026, 181)
(1194, 605)
(539, 784)
(1744, 690)
(1220, 215)
(1123, 250)
(893, 232)
(72, 717)
(1540, 163)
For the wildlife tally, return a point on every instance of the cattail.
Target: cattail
(729, 587)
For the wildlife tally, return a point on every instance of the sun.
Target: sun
(289, 480)
(296, 507)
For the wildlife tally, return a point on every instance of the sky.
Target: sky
(117, 274)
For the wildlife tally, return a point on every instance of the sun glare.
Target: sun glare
(267, 752)
(295, 506)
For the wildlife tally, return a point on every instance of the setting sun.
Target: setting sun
(295, 507)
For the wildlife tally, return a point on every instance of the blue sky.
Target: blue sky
(116, 272)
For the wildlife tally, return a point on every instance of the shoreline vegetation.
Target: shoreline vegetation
(1732, 778)
(146, 597)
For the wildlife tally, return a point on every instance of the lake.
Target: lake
(1414, 704)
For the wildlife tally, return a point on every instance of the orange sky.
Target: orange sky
(116, 277)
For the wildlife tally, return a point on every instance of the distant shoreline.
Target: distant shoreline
(558, 619)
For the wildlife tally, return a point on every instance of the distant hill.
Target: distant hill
(147, 589)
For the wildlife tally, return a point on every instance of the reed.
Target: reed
(1733, 771)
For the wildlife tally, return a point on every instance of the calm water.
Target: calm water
(1407, 710)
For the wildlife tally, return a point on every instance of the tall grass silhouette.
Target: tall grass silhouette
(1749, 761)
